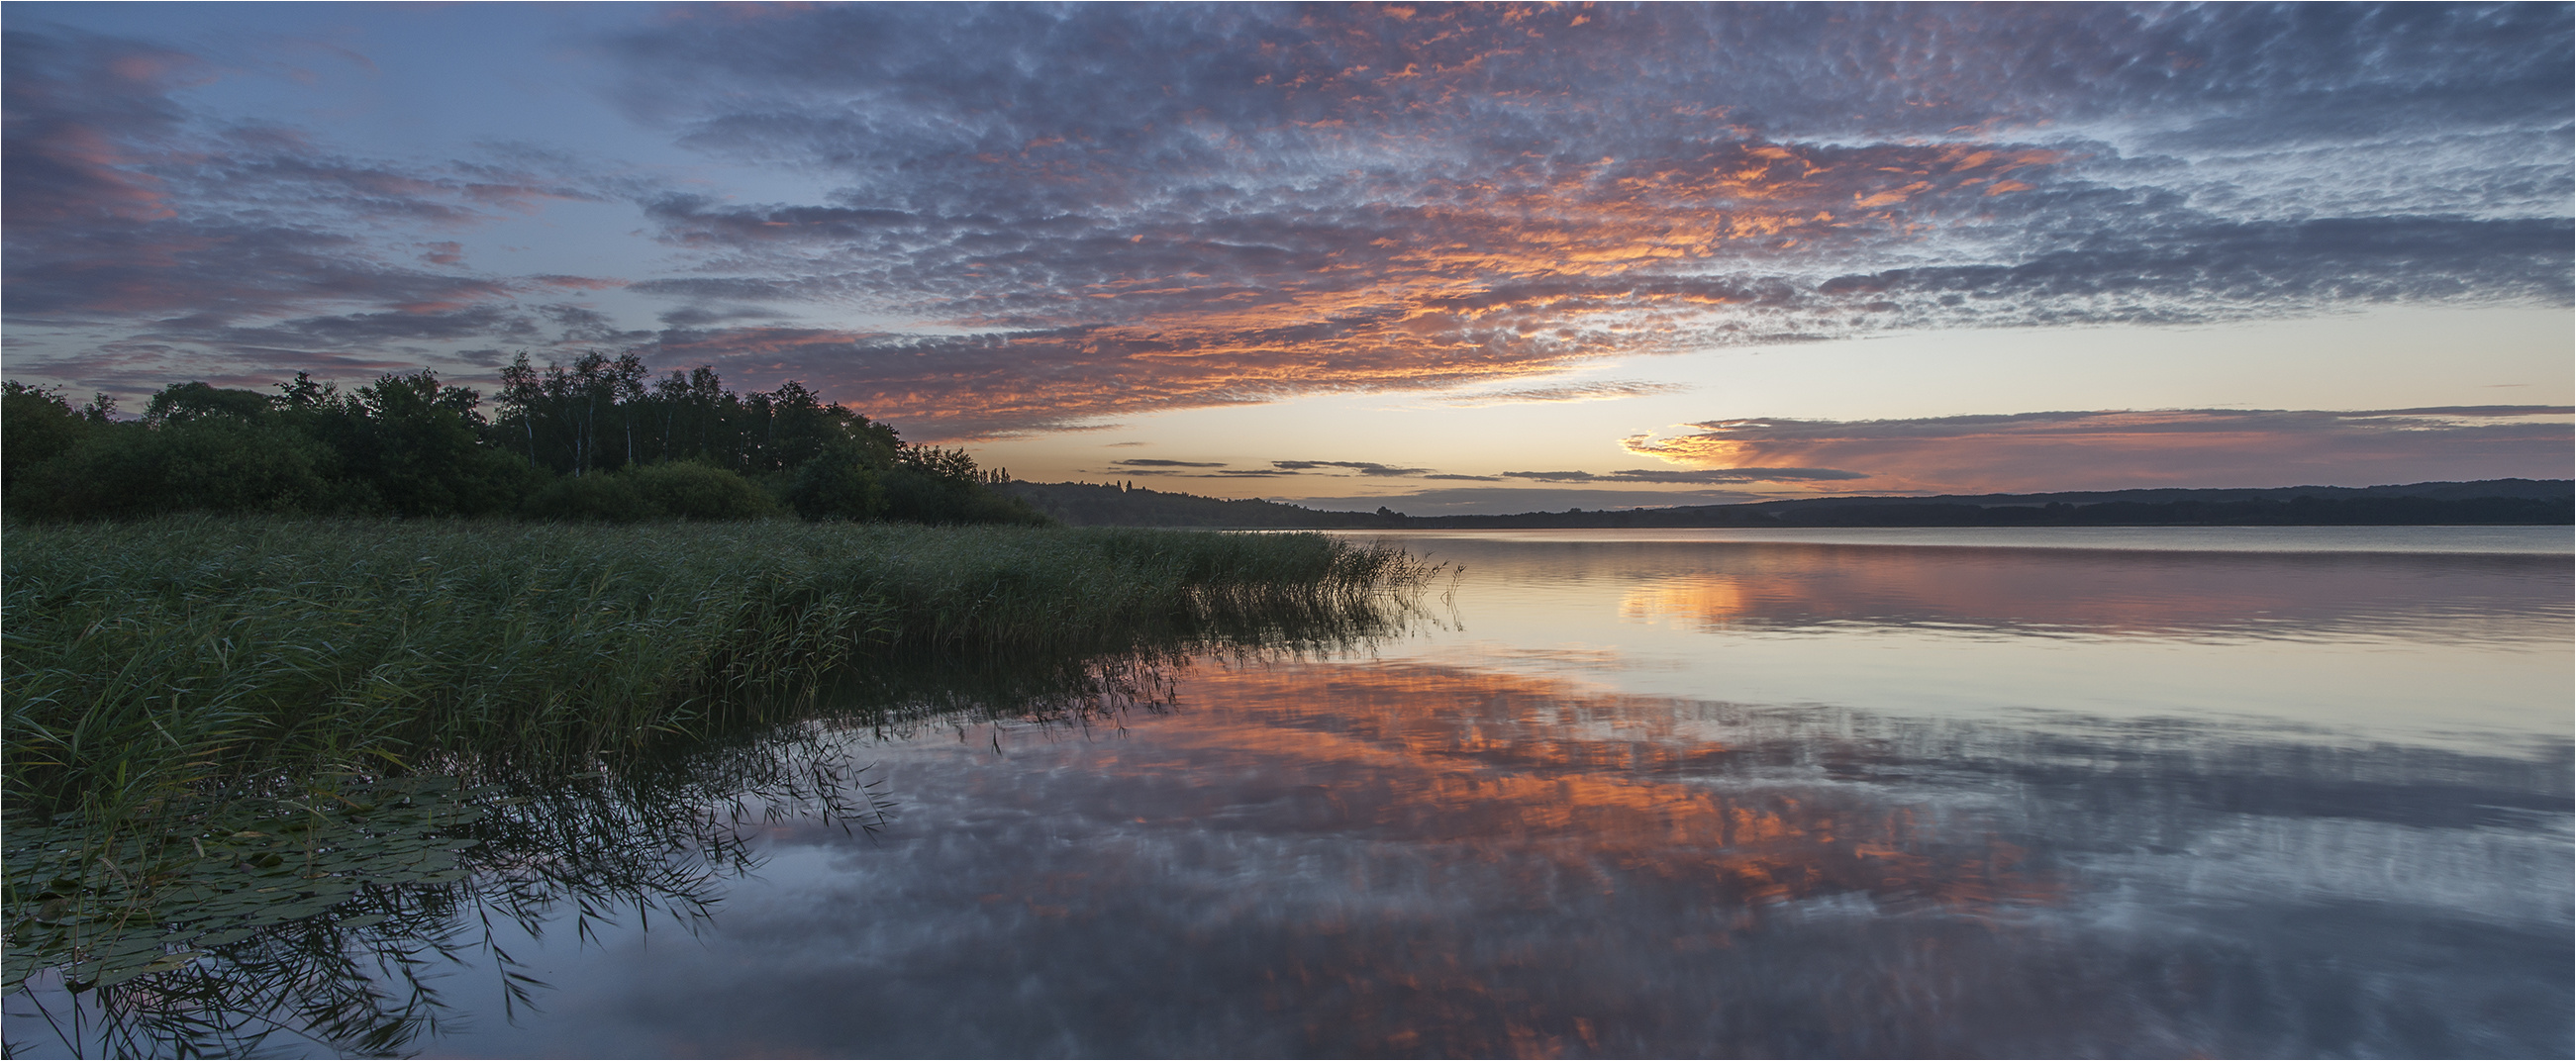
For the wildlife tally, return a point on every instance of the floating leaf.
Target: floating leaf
(116, 976)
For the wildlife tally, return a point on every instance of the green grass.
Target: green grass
(146, 661)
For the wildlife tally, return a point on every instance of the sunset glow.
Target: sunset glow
(1456, 257)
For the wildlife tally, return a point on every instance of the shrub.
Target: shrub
(595, 498)
(840, 484)
(679, 490)
(206, 464)
(916, 493)
(35, 426)
(690, 490)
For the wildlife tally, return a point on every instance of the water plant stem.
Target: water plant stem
(147, 660)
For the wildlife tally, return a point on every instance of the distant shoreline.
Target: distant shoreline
(2492, 502)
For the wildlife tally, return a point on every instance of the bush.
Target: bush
(840, 484)
(208, 464)
(681, 490)
(35, 426)
(690, 490)
(915, 495)
(597, 498)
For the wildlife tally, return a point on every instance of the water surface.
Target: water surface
(2116, 791)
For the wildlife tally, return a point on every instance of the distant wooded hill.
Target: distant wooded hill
(2490, 501)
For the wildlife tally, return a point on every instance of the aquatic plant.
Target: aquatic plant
(321, 919)
(226, 735)
(147, 660)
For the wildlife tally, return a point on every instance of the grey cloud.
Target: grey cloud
(130, 369)
(352, 330)
(958, 387)
(2114, 449)
(577, 325)
(1250, 178)
(354, 346)
(1703, 475)
(695, 316)
(2143, 422)
(1454, 501)
(1152, 466)
(158, 226)
(1367, 468)
(2218, 268)
(729, 288)
(1567, 392)
(1180, 86)
(1155, 207)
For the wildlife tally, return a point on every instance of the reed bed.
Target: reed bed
(145, 661)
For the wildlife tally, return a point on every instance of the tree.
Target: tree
(183, 402)
(409, 445)
(846, 481)
(202, 464)
(417, 444)
(36, 425)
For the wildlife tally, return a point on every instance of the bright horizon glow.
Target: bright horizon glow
(2373, 359)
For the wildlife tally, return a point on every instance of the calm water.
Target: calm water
(2287, 792)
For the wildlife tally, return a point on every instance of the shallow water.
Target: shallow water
(2119, 791)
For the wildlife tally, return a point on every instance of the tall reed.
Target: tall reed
(150, 659)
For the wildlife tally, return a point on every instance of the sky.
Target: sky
(1441, 258)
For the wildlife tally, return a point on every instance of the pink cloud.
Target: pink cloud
(2126, 448)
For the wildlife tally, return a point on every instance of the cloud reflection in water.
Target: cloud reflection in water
(1502, 837)
(1399, 858)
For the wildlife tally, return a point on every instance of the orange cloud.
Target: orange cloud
(2122, 449)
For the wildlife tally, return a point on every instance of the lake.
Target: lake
(2082, 791)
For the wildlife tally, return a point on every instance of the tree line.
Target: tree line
(598, 439)
(2301, 511)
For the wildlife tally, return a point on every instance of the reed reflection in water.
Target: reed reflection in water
(1510, 835)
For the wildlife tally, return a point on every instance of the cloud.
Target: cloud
(1033, 219)
(117, 367)
(1452, 501)
(985, 385)
(1367, 468)
(1704, 475)
(1200, 206)
(2130, 448)
(214, 240)
(1602, 390)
